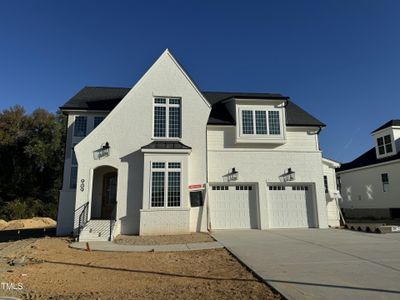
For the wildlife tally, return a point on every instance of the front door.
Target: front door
(109, 197)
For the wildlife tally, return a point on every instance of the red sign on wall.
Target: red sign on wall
(195, 186)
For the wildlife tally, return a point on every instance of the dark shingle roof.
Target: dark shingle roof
(105, 98)
(166, 145)
(388, 124)
(96, 98)
(367, 159)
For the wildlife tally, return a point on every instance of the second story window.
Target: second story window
(97, 121)
(167, 118)
(80, 126)
(260, 122)
(74, 170)
(384, 144)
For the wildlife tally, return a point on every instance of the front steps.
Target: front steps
(95, 230)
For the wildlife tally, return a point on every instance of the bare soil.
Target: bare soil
(48, 268)
(36, 222)
(197, 237)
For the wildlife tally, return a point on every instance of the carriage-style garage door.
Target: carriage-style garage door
(233, 207)
(290, 206)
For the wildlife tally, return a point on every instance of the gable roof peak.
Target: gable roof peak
(393, 122)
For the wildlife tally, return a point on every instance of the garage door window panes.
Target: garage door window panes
(220, 188)
(165, 184)
(277, 188)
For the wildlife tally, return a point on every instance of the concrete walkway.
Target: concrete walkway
(320, 263)
(110, 246)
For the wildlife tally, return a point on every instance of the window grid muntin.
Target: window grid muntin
(159, 121)
(80, 126)
(97, 120)
(384, 144)
(274, 122)
(157, 189)
(174, 121)
(249, 119)
(171, 197)
(174, 189)
(171, 120)
(174, 165)
(247, 122)
(261, 122)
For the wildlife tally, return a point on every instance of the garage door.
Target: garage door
(290, 206)
(233, 207)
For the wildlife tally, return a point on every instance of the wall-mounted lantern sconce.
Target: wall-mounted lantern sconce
(104, 151)
(288, 175)
(233, 175)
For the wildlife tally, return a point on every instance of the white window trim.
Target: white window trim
(86, 129)
(386, 154)
(255, 136)
(167, 105)
(385, 184)
(166, 169)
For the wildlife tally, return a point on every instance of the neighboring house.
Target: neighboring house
(169, 158)
(369, 183)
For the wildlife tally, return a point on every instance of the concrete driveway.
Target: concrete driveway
(320, 263)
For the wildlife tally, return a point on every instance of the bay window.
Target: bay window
(165, 184)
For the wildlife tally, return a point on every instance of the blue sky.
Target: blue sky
(339, 60)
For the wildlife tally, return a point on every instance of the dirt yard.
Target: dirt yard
(197, 237)
(36, 222)
(48, 268)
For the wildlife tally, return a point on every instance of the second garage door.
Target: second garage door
(233, 207)
(290, 206)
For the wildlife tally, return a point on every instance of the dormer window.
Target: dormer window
(260, 122)
(167, 118)
(384, 144)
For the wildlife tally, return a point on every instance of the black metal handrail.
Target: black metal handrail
(113, 219)
(83, 218)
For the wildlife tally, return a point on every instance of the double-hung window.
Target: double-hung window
(80, 126)
(326, 184)
(384, 144)
(385, 182)
(167, 118)
(260, 122)
(165, 184)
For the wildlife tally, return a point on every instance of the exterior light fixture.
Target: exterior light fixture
(289, 175)
(233, 175)
(104, 151)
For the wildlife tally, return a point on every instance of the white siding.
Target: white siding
(362, 188)
(298, 139)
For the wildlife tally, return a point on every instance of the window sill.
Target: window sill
(261, 139)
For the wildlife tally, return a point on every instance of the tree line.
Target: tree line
(31, 162)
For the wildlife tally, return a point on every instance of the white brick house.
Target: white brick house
(169, 158)
(369, 183)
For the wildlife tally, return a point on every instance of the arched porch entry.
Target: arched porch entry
(104, 193)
